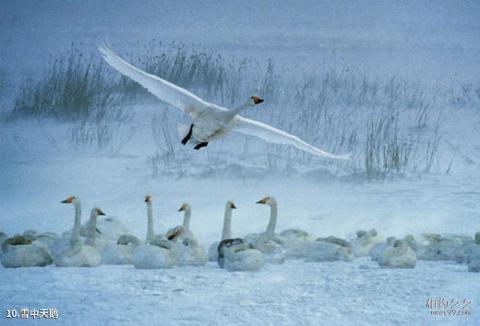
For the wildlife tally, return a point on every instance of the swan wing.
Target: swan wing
(164, 90)
(277, 136)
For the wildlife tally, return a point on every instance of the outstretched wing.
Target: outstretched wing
(164, 90)
(277, 136)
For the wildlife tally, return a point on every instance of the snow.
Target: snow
(435, 43)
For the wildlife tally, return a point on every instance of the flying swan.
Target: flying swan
(209, 121)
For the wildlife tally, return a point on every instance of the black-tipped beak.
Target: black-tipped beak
(180, 209)
(259, 202)
(257, 100)
(233, 206)
(64, 201)
(101, 213)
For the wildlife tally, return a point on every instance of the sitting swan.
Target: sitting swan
(236, 254)
(329, 249)
(188, 250)
(73, 252)
(443, 247)
(19, 251)
(472, 253)
(210, 121)
(399, 255)
(226, 232)
(156, 253)
(365, 242)
(268, 242)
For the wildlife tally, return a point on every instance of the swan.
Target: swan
(442, 247)
(209, 121)
(297, 242)
(379, 248)
(188, 249)
(329, 249)
(267, 242)
(156, 252)
(73, 252)
(398, 255)
(20, 251)
(365, 242)
(226, 232)
(473, 255)
(235, 254)
(3, 237)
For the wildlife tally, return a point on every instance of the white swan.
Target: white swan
(226, 231)
(365, 242)
(188, 250)
(156, 253)
(210, 121)
(473, 255)
(329, 249)
(73, 252)
(443, 247)
(235, 254)
(379, 248)
(399, 255)
(268, 242)
(19, 251)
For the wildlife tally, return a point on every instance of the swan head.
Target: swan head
(70, 200)
(184, 207)
(148, 198)
(254, 100)
(267, 201)
(98, 211)
(231, 205)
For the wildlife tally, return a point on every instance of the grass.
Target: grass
(392, 127)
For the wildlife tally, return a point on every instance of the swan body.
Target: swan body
(120, 253)
(72, 252)
(20, 251)
(379, 248)
(209, 121)
(365, 242)
(297, 242)
(472, 254)
(399, 255)
(443, 247)
(236, 254)
(329, 249)
(157, 252)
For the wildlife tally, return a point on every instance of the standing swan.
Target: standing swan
(209, 121)
(156, 253)
(236, 254)
(73, 252)
(267, 242)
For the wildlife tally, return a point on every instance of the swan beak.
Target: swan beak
(263, 201)
(100, 213)
(69, 200)
(233, 206)
(148, 199)
(257, 100)
(183, 207)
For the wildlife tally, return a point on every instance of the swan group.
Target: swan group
(88, 246)
(209, 121)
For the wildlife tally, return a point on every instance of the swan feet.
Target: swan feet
(187, 137)
(204, 144)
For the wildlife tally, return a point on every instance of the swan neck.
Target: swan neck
(92, 228)
(227, 224)
(150, 230)
(232, 113)
(186, 219)
(273, 219)
(78, 221)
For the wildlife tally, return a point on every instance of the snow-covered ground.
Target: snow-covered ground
(435, 43)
